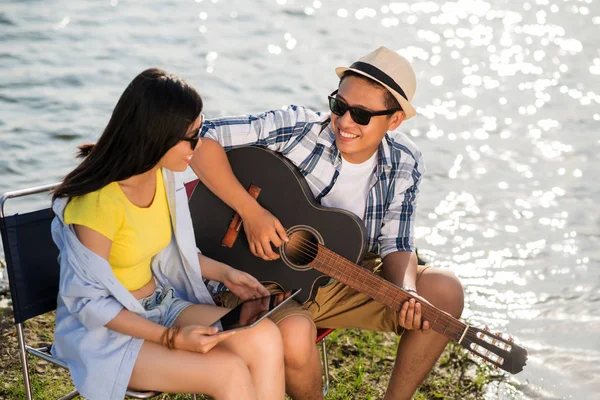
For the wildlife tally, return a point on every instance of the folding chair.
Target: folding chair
(33, 276)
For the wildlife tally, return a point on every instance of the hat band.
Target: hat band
(379, 75)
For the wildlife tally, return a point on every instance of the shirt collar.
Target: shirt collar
(384, 160)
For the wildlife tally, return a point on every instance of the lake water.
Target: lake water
(508, 100)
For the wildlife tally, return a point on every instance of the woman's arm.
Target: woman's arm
(213, 269)
(191, 337)
(242, 284)
(126, 322)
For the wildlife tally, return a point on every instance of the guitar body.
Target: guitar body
(284, 193)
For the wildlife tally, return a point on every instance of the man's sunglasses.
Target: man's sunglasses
(359, 115)
(193, 139)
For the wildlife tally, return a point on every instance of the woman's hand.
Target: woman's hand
(409, 316)
(243, 285)
(200, 339)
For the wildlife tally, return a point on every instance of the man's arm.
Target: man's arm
(397, 248)
(400, 268)
(212, 167)
(273, 130)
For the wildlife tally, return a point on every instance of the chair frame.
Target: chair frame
(44, 352)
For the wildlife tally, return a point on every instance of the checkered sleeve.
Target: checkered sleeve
(398, 222)
(272, 129)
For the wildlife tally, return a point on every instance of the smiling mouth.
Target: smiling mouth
(347, 135)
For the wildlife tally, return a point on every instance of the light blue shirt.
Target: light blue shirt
(101, 360)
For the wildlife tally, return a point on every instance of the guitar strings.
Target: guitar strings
(451, 323)
(312, 250)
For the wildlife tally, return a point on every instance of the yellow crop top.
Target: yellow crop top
(137, 234)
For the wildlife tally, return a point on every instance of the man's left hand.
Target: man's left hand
(409, 316)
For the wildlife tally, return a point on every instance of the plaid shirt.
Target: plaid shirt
(307, 140)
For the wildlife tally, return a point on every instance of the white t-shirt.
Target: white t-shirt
(351, 189)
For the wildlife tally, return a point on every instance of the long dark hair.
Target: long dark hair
(152, 115)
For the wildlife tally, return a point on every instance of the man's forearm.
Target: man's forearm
(400, 268)
(211, 165)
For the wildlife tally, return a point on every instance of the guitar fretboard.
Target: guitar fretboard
(383, 291)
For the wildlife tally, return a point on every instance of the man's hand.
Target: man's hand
(243, 285)
(262, 229)
(409, 316)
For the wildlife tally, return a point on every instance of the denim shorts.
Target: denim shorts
(162, 306)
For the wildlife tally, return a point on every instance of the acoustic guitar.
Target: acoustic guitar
(324, 243)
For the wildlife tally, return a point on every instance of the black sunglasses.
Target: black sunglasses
(359, 115)
(193, 140)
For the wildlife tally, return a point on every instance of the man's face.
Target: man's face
(357, 143)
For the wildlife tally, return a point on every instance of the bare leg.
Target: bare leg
(248, 365)
(218, 373)
(259, 347)
(419, 351)
(302, 363)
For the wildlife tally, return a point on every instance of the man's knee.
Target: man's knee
(299, 335)
(443, 289)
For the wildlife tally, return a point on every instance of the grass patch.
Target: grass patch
(360, 364)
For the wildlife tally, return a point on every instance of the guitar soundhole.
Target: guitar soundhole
(302, 247)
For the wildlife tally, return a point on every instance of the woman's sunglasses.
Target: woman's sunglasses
(359, 115)
(195, 137)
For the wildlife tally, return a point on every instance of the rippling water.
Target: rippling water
(508, 99)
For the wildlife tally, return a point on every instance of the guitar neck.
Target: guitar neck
(383, 291)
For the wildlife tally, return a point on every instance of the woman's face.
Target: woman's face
(179, 156)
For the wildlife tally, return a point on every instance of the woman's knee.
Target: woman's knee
(298, 334)
(232, 377)
(265, 336)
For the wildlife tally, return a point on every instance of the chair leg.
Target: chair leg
(70, 396)
(325, 365)
(24, 365)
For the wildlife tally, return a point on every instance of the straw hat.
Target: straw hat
(391, 70)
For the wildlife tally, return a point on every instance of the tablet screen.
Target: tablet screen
(251, 312)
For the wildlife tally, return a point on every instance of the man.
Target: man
(352, 159)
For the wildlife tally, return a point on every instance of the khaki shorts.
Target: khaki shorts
(338, 306)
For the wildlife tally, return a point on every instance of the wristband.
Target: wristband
(408, 288)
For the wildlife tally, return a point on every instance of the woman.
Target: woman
(133, 310)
